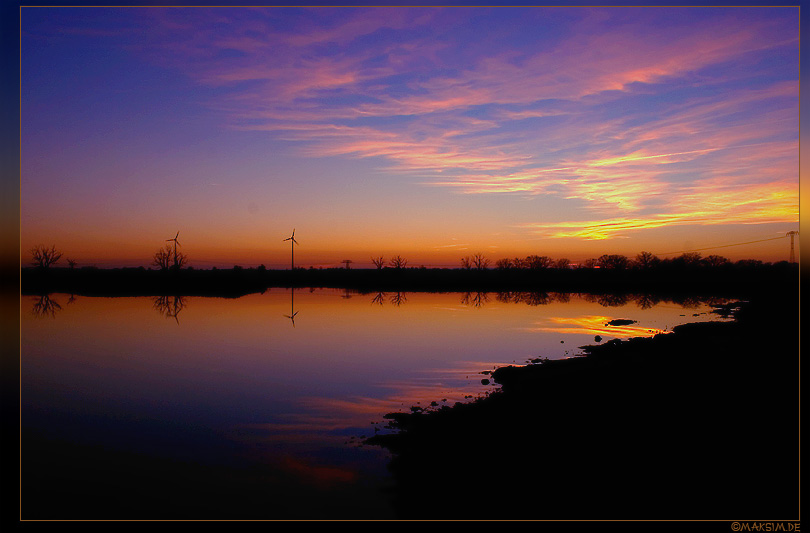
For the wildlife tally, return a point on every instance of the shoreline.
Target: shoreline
(729, 281)
(698, 424)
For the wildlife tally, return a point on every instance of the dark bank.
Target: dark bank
(670, 278)
(699, 424)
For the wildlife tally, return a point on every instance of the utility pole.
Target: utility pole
(792, 253)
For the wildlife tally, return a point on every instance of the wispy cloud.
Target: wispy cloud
(656, 121)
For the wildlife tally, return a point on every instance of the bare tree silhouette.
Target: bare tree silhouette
(167, 258)
(504, 264)
(538, 262)
(715, 261)
(687, 259)
(398, 262)
(613, 262)
(645, 260)
(589, 263)
(520, 262)
(71, 263)
(44, 257)
(379, 262)
(479, 261)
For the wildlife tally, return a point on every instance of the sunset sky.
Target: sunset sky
(432, 133)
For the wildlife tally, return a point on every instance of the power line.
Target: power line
(723, 246)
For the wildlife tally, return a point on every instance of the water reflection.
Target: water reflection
(224, 386)
(474, 299)
(169, 306)
(45, 306)
(379, 298)
(642, 301)
(293, 312)
(598, 326)
(398, 299)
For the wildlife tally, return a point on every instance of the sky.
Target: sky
(430, 133)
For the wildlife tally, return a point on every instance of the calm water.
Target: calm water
(283, 383)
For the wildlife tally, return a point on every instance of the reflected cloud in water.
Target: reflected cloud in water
(596, 325)
(338, 417)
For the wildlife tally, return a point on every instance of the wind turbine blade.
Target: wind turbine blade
(296, 242)
(178, 234)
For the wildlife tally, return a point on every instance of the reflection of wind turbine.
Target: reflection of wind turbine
(176, 244)
(293, 312)
(293, 242)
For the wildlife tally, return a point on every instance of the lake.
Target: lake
(256, 407)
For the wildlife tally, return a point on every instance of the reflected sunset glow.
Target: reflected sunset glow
(239, 367)
(597, 325)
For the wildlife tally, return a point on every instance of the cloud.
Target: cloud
(650, 117)
(710, 203)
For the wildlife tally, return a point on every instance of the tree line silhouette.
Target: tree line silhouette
(642, 261)
(688, 272)
(169, 258)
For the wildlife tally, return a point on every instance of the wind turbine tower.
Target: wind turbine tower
(792, 253)
(175, 247)
(293, 242)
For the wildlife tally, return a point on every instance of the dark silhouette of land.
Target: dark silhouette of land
(699, 424)
(666, 278)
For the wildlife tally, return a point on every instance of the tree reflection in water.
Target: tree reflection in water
(170, 306)
(398, 298)
(476, 300)
(45, 306)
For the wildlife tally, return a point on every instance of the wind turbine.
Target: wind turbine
(176, 244)
(293, 312)
(292, 249)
